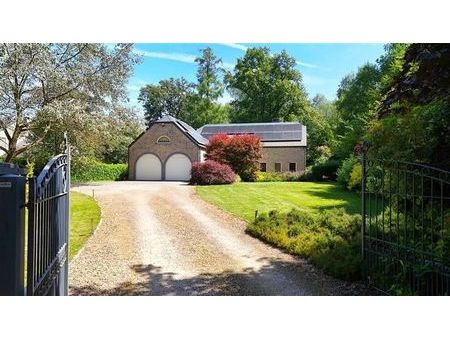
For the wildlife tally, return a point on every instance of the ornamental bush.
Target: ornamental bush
(211, 172)
(345, 170)
(355, 178)
(86, 169)
(330, 240)
(240, 152)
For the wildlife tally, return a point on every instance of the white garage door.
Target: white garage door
(178, 168)
(148, 168)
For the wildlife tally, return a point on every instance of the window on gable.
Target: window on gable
(163, 139)
(277, 167)
(292, 166)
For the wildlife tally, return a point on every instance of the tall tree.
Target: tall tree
(357, 99)
(265, 87)
(359, 96)
(168, 97)
(325, 107)
(203, 105)
(268, 88)
(413, 118)
(209, 85)
(36, 78)
(101, 135)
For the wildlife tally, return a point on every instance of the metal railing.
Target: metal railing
(48, 228)
(406, 227)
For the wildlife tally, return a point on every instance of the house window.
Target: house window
(163, 139)
(263, 167)
(292, 166)
(277, 167)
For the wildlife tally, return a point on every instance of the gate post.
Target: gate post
(12, 230)
(363, 198)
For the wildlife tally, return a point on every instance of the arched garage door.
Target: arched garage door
(178, 168)
(148, 168)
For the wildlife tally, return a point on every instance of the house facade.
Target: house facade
(167, 149)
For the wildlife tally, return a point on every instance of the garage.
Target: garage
(148, 168)
(178, 168)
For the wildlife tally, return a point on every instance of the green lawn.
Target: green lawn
(84, 217)
(242, 199)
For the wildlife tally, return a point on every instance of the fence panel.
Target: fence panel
(48, 228)
(406, 227)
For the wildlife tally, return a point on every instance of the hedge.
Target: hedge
(87, 170)
(325, 171)
(271, 176)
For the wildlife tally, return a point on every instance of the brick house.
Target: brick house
(167, 149)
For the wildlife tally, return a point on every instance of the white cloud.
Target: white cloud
(235, 46)
(187, 58)
(180, 57)
(307, 65)
(244, 48)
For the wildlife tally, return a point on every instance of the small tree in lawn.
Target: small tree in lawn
(240, 152)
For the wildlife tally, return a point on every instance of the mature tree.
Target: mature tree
(203, 105)
(265, 87)
(202, 111)
(39, 78)
(424, 78)
(325, 107)
(104, 136)
(122, 126)
(209, 85)
(168, 97)
(358, 97)
(414, 123)
(196, 104)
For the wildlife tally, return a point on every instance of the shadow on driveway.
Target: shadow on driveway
(249, 282)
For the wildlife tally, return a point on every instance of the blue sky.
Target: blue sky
(322, 65)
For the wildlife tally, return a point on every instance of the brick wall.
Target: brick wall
(179, 143)
(284, 155)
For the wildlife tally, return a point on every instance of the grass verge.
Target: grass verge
(242, 199)
(84, 217)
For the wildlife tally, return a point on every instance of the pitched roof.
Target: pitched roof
(270, 131)
(184, 127)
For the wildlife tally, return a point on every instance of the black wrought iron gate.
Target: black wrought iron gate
(48, 228)
(406, 227)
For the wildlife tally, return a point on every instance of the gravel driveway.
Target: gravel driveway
(159, 238)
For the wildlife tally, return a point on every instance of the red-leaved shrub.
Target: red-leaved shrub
(211, 172)
(240, 152)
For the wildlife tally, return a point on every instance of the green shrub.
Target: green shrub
(86, 169)
(271, 176)
(325, 171)
(355, 178)
(330, 240)
(345, 170)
